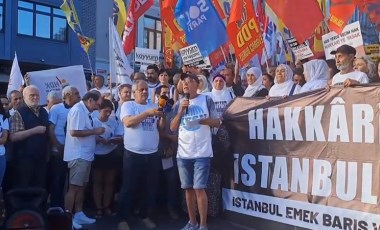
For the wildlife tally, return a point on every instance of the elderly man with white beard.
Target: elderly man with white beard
(28, 128)
(344, 59)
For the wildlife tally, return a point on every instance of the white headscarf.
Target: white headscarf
(317, 75)
(221, 97)
(205, 85)
(257, 85)
(283, 89)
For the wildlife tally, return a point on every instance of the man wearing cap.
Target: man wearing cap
(194, 116)
(344, 59)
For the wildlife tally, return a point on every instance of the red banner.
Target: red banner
(136, 9)
(244, 31)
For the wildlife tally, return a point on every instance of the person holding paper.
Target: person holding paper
(106, 161)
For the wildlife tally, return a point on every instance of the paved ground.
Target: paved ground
(164, 222)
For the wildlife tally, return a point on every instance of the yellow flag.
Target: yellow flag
(119, 15)
(71, 15)
(85, 42)
(72, 19)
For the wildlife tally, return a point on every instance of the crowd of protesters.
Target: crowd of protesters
(135, 135)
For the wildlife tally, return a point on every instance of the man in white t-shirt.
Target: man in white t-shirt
(152, 79)
(344, 59)
(79, 153)
(99, 84)
(141, 165)
(57, 126)
(195, 115)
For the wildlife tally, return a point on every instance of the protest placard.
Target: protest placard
(301, 51)
(351, 35)
(53, 79)
(191, 55)
(145, 56)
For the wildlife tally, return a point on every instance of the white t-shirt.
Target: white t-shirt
(194, 139)
(339, 78)
(142, 138)
(4, 125)
(112, 129)
(102, 90)
(11, 111)
(58, 117)
(152, 90)
(79, 118)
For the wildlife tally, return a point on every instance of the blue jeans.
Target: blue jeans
(140, 173)
(194, 173)
(2, 168)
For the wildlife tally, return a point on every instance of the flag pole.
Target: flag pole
(224, 55)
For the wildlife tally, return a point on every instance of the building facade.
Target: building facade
(38, 32)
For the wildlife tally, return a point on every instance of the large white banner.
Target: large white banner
(297, 213)
(120, 68)
(53, 79)
(145, 56)
(351, 35)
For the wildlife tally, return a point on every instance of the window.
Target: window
(1, 14)
(41, 21)
(152, 33)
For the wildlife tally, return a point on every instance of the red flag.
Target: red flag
(219, 55)
(168, 3)
(301, 16)
(340, 12)
(136, 9)
(371, 8)
(219, 9)
(167, 17)
(244, 32)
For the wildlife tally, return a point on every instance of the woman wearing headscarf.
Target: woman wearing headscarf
(316, 74)
(220, 94)
(255, 83)
(283, 82)
(203, 85)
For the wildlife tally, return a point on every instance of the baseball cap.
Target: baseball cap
(344, 49)
(189, 75)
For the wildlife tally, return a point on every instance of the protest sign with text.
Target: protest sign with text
(53, 79)
(351, 35)
(301, 51)
(191, 55)
(146, 56)
(309, 160)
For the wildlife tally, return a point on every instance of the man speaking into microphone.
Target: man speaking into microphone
(194, 116)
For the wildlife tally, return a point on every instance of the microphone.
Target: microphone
(187, 96)
(162, 100)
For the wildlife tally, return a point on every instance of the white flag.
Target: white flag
(120, 69)
(15, 79)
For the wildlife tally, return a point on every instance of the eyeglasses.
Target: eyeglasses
(142, 89)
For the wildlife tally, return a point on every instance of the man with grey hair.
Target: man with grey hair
(57, 125)
(28, 132)
(53, 97)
